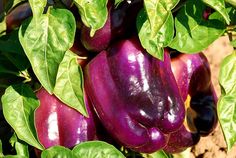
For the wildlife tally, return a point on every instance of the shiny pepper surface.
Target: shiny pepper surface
(135, 96)
(58, 124)
(193, 76)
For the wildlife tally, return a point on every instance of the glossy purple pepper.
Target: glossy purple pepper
(58, 124)
(135, 96)
(193, 76)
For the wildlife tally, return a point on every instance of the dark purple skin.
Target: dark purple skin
(100, 39)
(135, 96)
(58, 124)
(120, 22)
(181, 139)
(17, 16)
(192, 73)
(123, 18)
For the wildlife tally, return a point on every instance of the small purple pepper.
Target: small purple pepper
(58, 124)
(193, 76)
(120, 22)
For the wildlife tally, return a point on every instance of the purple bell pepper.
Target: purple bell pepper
(135, 96)
(17, 16)
(120, 22)
(193, 76)
(58, 124)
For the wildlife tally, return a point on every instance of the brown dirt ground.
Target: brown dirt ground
(213, 146)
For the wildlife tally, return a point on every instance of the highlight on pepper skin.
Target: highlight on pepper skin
(135, 96)
(54, 121)
(192, 73)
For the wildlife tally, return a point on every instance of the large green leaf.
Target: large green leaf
(96, 149)
(19, 103)
(6, 67)
(158, 12)
(45, 42)
(227, 101)
(218, 5)
(37, 7)
(11, 48)
(193, 32)
(89, 149)
(69, 83)
(154, 44)
(93, 13)
(57, 152)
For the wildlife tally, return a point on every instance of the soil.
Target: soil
(213, 146)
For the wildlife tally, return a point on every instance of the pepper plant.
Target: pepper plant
(112, 78)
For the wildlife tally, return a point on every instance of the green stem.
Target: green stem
(25, 75)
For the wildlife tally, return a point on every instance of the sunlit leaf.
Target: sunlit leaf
(227, 101)
(69, 83)
(19, 103)
(45, 42)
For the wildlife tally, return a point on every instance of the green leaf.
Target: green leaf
(227, 75)
(4, 70)
(158, 154)
(232, 2)
(45, 42)
(232, 15)
(154, 44)
(37, 7)
(93, 13)
(96, 149)
(19, 103)
(11, 48)
(158, 11)
(69, 83)
(20, 146)
(227, 102)
(7, 67)
(218, 5)
(3, 25)
(193, 32)
(117, 2)
(57, 152)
